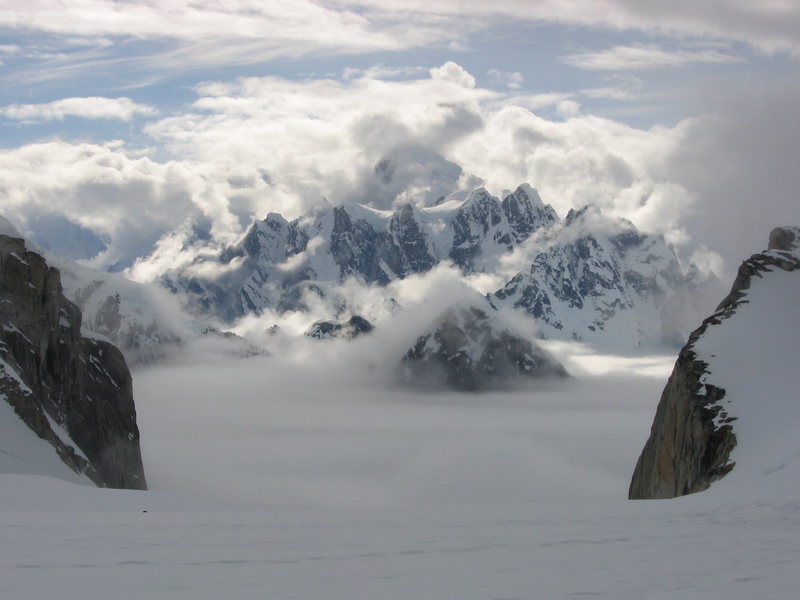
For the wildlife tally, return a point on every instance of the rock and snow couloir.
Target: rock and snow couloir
(731, 406)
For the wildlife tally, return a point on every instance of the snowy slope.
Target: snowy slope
(729, 409)
(23, 452)
(375, 494)
(754, 355)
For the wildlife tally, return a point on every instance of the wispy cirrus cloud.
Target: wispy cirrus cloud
(185, 34)
(643, 57)
(123, 109)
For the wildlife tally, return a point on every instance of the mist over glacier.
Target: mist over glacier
(322, 429)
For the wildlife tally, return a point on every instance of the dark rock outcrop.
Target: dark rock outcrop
(69, 389)
(692, 435)
(347, 330)
(466, 351)
(232, 344)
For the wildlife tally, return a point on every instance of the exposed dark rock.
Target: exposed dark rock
(692, 435)
(237, 346)
(525, 213)
(55, 378)
(347, 330)
(465, 350)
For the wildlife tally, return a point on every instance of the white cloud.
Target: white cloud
(534, 102)
(634, 58)
(454, 73)
(611, 92)
(260, 145)
(511, 79)
(769, 26)
(143, 41)
(324, 138)
(741, 162)
(178, 35)
(123, 109)
(382, 72)
(568, 108)
(128, 200)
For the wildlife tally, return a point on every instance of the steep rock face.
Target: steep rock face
(467, 350)
(694, 431)
(598, 279)
(74, 391)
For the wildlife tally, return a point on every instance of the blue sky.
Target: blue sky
(128, 124)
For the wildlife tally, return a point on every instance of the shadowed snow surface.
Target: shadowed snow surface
(297, 484)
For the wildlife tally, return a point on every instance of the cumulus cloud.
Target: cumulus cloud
(258, 145)
(128, 201)
(123, 109)
(534, 102)
(635, 58)
(324, 137)
(742, 162)
(453, 73)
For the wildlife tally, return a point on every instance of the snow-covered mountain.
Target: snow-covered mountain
(598, 279)
(143, 321)
(278, 261)
(467, 349)
(590, 277)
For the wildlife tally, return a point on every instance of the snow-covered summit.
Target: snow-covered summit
(598, 279)
(277, 260)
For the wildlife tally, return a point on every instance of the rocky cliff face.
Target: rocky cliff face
(694, 430)
(467, 350)
(74, 391)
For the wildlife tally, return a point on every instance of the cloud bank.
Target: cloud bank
(256, 145)
(123, 109)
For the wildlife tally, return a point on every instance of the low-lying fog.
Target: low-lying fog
(314, 426)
